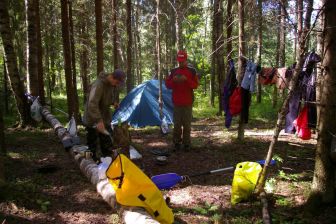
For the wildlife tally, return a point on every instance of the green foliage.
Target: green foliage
(270, 185)
(291, 177)
(209, 210)
(282, 201)
(202, 107)
(278, 159)
(43, 204)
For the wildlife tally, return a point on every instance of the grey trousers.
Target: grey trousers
(182, 124)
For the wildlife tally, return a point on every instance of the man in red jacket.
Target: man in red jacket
(182, 80)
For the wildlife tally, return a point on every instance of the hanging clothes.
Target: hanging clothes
(304, 90)
(282, 81)
(248, 86)
(230, 85)
(310, 96)
(250, 74)
(301, 124)
(293, 110)
(268, 76)
(246, 102)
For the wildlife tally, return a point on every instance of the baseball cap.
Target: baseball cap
(181, 56)
(119, 75)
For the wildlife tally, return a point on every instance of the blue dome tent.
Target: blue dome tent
(140, 107)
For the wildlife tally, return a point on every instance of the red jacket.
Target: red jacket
(183, 92)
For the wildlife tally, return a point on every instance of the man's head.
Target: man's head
(181, 58)
(116, 78)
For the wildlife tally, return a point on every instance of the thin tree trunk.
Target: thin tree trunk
(323, 186)
(84, 59)
(295, 31)
(178, 24)
(299, 4)
(284, 108)
(52, 64)
(67, 57)
(2, 151)
(115, 34)
(282, 46)
(73, 64)
(277, 58)
(259, 48)
(47, 64)
(2, 137)
(173, 36)
(11, 66)
(32, 63)
(129, 74)
(213, 57)
(320, 51)
(219, 48)
(139, 65)
(39, 53)
(229, 27)
(203, 53)
(99, 36)
(158, 55)
(60, 80)
(6, 92)
(241, 60)
(136, 43)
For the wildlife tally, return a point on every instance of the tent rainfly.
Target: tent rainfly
(140, 107)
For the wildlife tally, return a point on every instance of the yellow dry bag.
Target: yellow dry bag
(134, 188)
(244, 181)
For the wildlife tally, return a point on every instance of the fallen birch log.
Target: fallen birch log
(129, 215)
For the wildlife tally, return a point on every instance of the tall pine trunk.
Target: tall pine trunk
(138, 41)
(115, 34)
(32, 69)
(259, 47)
(12, 68)
(73, 65)
(67, 57)
(99, 36)
(219, 49)
(84, 59)
(229, 28)
(2, 150)
(5, 88)
(178, 24)
(320, 51)
(39, 53)
(277, 58)
(129, 74)
(299, 7)
(323, 186)
(241, 59)
(213, 56)
(2, 137)
(282, 46)
(158, 55)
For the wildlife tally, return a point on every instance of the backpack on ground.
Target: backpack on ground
(134, 188)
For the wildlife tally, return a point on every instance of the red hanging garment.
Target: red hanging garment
(301, 124)
(235, 102)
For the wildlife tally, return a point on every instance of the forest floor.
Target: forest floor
(66, 196)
